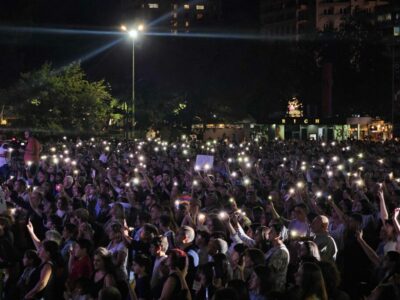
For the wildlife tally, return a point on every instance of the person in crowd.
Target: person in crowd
(43, 278)
(30, 262)
(103, 275)
(326, 244)
(175, 287)
(277, 258)
(141, 266)
(262, 218)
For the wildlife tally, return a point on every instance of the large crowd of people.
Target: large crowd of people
(144, 219)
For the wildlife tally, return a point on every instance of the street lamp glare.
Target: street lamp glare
(133, 34)
(141, 27)
(123, 28)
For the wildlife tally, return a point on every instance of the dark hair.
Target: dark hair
(85, 244)
(106, 257)
(262, 273)
(109, 293)
(178, 258)
(144, 217)
(205, 235)
(165, 220)
(143, 261)
(312, 281)
(207, 270)
(52, 248)
(256, 256)
(331, 276)
(223, 268)
(240, 287)
(32, 255)
(226, 294)
(71, 228)
(160, 241)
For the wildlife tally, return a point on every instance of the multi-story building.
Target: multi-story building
(290, 18)
(331, 14)
(172, 15)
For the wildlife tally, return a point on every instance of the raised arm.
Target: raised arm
(373, 257)
(34, 238)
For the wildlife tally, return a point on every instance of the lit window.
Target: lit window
(187, 23)
(186, 6)
(200, 7)
(153, 5)
(175, 6)
(175, 15)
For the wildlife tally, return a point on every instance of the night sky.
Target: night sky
(239, 73)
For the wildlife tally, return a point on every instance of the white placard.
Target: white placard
(204, 162)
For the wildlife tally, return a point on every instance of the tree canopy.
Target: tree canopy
(60, 100)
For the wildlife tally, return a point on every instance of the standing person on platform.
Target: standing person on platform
(32, 152)
(4, 156)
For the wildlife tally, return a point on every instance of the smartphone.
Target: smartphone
(58, 187)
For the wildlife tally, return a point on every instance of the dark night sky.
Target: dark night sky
(240, 72)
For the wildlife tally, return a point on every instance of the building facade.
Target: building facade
(172, 15)
(290, 18)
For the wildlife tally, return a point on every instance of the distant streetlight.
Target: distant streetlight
(133, 34)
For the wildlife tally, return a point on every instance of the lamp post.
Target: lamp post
(133, 33)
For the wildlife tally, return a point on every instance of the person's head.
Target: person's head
(53, 235)
(83, 247)
(222, 267)
(69, 231)
(114, 232)
(141, 265)
(300, 212)
(109, 293)
(240, 288)
(355, 222)
(62, 203)
(205, 274)
(274, 233)
(102, 260)
(68, 181)
(236, 256)
(387, 232)
(225, 294)
(19, 185)
(81, 216)
(320, 224)
(27, 134)
(202, 238)
(49, 251)
(310, 280)
(31, 258)
(155, 212)
(165, 221)
(117, 211)
(150, 200)
(177, 259)
(216, 246)
(185, 235)
(309, 249)
(159, 245)
(53, 222)
(148, 233)
(253, 257)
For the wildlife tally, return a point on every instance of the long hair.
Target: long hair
(106, 257)
(312, 282)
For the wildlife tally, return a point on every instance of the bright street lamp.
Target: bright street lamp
(133, 33)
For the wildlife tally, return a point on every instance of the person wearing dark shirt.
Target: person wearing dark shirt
(141, 267)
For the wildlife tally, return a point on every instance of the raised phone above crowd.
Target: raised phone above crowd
(149, 219)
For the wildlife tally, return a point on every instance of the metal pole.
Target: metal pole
(133, 88)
